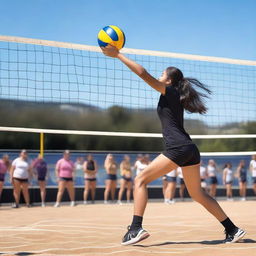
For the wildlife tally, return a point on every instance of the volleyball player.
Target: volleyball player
(90, 168)
(141, 164)
(111, 170)
(64, 172)
(253, 171)
(20, 173)
(4, 168)
(228, 180)
(41, 171)
(177, 93)
(126, 180)
(242, 178)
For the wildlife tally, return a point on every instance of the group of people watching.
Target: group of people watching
(209, 179)
(21, 172)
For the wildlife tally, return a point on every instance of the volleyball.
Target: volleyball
(111, 35)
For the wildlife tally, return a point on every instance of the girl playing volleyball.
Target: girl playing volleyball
(176, 94)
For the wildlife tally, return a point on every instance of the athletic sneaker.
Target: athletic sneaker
(43, 204)
(57, 205)
(72, 204)
(14, 205)
(134, 236)
(119, 202)
(232, 238)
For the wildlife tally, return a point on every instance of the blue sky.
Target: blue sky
(225, 28)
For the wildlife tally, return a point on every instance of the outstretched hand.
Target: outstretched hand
(110, 51)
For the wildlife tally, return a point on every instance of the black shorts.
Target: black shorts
(66, 179)
(111, 177)
(41, 178)
(242, 179)
(182, 181)
(90, 179)
(126, 178)
(229, 182)
(21, 180)
(184, 155)
(213, 180)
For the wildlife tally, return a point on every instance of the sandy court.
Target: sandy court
(184, 228)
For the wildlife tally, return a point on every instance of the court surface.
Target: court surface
(184, 228)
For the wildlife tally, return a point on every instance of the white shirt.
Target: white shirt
(211, 171)
(139, 166)
(171, 173)
(203, 172)
(21, 168)
(229, 175)
(180, 174)
(253, 166)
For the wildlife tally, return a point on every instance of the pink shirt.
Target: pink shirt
(3, 167)
(65, 168)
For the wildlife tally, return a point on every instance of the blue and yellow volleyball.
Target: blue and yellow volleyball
(111, 35)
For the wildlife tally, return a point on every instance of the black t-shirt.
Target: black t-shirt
(171, 112)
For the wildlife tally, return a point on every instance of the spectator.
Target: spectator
(182, 183)
(242, 177)
(4, 168)
(228, 180)
(111, 169)
(126, 180)
(170, 187)
(20, 173)
(90, 168)
(65, 173)
(141, 164)
(212, 174)
(204, 176)
(41, 171)
(253, 171)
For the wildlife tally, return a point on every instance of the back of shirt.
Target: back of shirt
(171, 112)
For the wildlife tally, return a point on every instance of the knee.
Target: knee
(139, 181)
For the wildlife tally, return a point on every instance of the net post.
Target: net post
(41, 144)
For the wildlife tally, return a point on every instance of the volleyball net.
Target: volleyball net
(38, 78)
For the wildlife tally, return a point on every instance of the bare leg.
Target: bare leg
(168, 191)
(164, 188)
(71, 190)
(25, 192)
(213, 190)
(107, 189)
(42, 190)
(193, 183)
(1, 189)
(173, 188)
(121, 190)
(62, 185)
(254, 188)
(16, 191)
(181, 191)
(93, 189)
(86, 189)
(129, 190)
(113, 189)
(157, 168)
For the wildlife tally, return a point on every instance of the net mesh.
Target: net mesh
(41, 73)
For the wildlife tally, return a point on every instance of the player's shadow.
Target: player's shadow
(210, 242)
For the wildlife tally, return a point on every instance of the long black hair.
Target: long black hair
(191, 99)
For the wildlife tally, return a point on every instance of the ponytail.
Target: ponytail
(191, 99)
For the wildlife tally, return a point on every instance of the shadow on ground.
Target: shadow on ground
(211, 242)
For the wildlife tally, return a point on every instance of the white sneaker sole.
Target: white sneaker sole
(141, 236)
(237, 237)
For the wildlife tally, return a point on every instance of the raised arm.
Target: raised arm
(113, 52)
